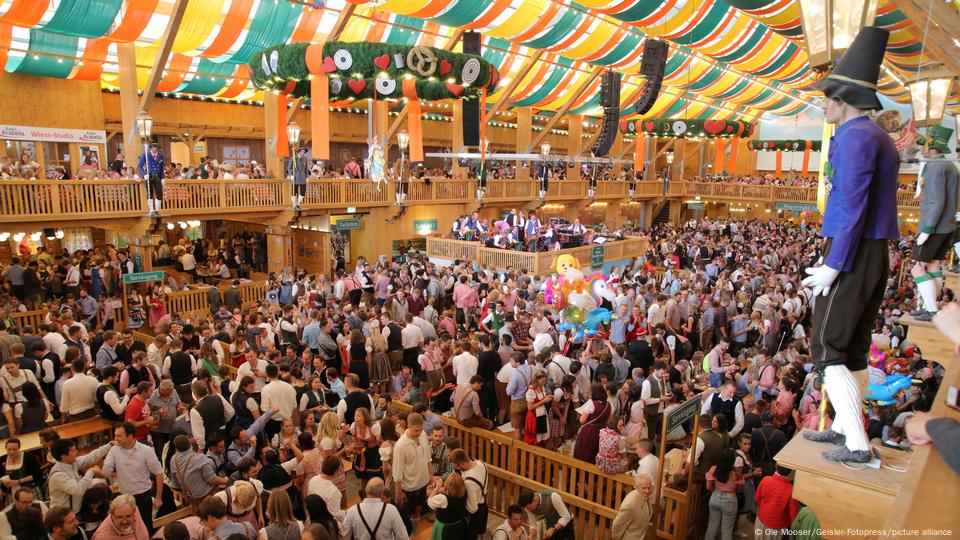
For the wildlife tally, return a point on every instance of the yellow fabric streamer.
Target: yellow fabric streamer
(828, 130)
(523, 18)
(198, 23)
(404, 7)
(596, 39)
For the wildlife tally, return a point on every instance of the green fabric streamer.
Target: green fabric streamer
(46, 66)
(214, 78)
(549, 85)
(740, 52)
(625, 48)
(704, 28)
(273, 23)
(84, 18)
(463, 12)
(569, 22)
(403, 36)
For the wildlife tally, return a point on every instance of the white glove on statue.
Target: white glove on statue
(820, 279)
(922, 237)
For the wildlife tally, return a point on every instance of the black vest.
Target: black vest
(135, 376)
(243, 417)
(355, 400)
(394, 340)
(727, 407)
(48, 388)
(25, 530)
(211, 411)
(180, 368)
(34, 418)
(105, 410)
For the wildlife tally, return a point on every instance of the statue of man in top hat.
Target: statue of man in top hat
(859, 221)
(938, 211)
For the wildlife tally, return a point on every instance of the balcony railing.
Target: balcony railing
(45, 200)
(539, 263)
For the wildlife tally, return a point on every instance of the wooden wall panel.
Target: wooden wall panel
(46, 102)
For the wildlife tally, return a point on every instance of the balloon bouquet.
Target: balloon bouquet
(578, 298)
(884, 383)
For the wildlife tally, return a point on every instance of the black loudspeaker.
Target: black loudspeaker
(471, 107)
(654, 61)
(610, 100)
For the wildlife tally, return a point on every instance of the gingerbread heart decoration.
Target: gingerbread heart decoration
(357, 85)
(714, 127)
(445, 67)
(328, 65)
(729, 129)
(455, 89)
(382, 61)
(649, 125)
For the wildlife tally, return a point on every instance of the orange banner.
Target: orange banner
(734, 149)
(230, 29)
(638, 153)
(805, 167)
(320, 116)
(283, 144)
(414, 120)
(779, 162)
(134, 21)
(720, 157)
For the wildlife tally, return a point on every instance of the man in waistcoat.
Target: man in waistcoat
(653, 394)
(725, 401)
(24, 519)
(192, 472)
(180, 366)
(549, 506)
(209, 415)
(109, 402)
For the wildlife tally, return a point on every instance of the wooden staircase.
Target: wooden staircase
(912, 494)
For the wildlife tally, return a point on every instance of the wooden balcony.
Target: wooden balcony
(46, 200)
(539, 263)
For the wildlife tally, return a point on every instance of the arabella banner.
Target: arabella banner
(28, 133)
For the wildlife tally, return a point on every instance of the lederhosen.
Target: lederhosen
(478, 519)
(372, 532)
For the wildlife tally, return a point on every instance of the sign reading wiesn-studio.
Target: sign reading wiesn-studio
(29, 133)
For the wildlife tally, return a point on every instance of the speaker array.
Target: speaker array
(471, 107)
(610, 101)
(652, 66)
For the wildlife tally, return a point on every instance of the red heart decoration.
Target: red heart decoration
(357, 85)
(382, 61)
(623, 126)
(455, 89)
(445, 67)
(649, 125)
(713, 127)
(729, 129)
(328, 65)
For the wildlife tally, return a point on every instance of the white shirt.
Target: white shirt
(327, 491)
(464, 367)
(259, 380)
(280, 393)
(56, 343)
(649, 464)
(188, 261)
(646, 391)
(196, 422)
(476, 494)
(391, 528)
(133, 467)
(194, 366)
(411, 336)
(738, 411)
(505, 373)
(79, 394)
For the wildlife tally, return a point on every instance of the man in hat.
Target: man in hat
(860, 219)
(937, 221)
(298, 173)
(151, 169)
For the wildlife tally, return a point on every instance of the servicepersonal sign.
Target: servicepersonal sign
(142, 277)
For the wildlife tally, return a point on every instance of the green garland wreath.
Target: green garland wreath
(375, 71)
(786, 145)
(683, 127)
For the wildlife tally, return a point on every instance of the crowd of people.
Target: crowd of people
(320, 410)
(759, 180)
(522, 231)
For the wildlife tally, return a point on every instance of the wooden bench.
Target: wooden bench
(70, 430)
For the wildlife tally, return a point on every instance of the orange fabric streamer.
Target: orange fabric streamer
(240, 77)
(720, 158)
(177, 68)
(283, 143)
(307, 27)
(135, 20)
(93, 57)
(639, 153)
(734, 148)
(6, 34)
(805, 167)
(231, 28)
(414, 120)
(320, 116)
(779, 162)
(25, 13)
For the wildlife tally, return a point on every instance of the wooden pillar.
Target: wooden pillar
(270, 111)
(651, 163)
(279, 248)
(616, 152)
(456, 138)
(574, 140)
(143, 247)
(382, 119)
(129, 103)
(524, 137)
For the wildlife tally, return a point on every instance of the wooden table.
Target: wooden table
(71, 430)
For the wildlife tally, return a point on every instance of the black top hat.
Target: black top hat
(854, 80)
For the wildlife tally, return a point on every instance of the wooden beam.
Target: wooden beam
(944, 25)
(341, 24)
(127, 66)
(454, 39)
(294, 107)
(163, 53)
(597, 70)
(514, 83)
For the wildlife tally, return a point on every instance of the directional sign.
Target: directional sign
(685, 411)
(796, 207)
(695, 206)
(596, 257)
(142, 277)
(348, 224)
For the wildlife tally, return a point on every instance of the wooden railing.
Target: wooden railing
(194, 302)
(29, 318)
(539, 263)
(25, 200)
(38, 199)
(188, 197)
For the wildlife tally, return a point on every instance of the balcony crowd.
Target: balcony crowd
(251, 413)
